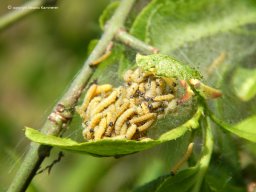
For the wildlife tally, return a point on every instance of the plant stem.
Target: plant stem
(206, 154)
(135, 43)
(18, 14)
(62, 112)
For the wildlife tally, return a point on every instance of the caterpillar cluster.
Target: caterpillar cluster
(127, 111)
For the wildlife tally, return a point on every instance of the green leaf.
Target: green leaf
(219, 179)
(164, 65)
(181, 182)
(111, 147)
(244, 83)
(245, 129)
(180, 22)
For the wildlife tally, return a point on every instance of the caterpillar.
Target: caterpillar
(122, 118)
(105, 103)
(128, 111)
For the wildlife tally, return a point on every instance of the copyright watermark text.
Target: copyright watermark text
(31, 7)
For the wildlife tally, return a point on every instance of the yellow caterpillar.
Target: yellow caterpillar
(128, 111)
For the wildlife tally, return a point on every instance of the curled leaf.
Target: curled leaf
(164, 65)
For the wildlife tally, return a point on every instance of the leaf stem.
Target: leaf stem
(63, 111)
(14, 16)
(206, 153)
(135, 43)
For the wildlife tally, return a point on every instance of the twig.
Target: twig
(135, 43)
(62, 113)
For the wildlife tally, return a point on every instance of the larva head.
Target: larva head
(165, 66)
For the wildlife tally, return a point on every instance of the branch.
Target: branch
(63, 111)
